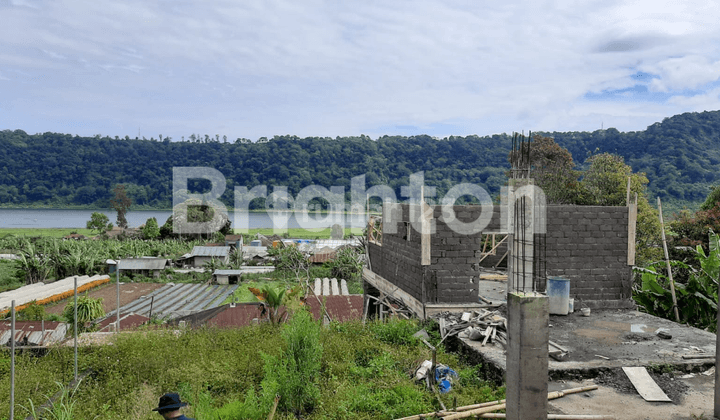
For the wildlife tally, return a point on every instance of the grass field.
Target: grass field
(34, 232)
(303, 233)
(291, 233)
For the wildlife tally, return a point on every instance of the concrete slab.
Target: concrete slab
(494, 290)
(609, 333)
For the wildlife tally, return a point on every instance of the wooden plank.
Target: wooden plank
(632, 231)
(387, 288)
(645, 385)
(426, 215)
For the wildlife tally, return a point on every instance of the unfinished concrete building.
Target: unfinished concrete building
(593, 246)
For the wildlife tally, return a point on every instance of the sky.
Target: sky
(248, 69)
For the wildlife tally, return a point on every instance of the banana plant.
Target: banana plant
(274, 298)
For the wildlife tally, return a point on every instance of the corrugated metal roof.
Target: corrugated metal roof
(142, 264)
(210, 251)
(340, 308)
(31, 332)
(181, 299)
(127, 321)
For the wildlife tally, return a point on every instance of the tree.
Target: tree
(121, 203)
(151, 229)
(552, 168)
(712, 200)
(606, 184)
(99, 223)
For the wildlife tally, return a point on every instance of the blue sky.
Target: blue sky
(328, 68)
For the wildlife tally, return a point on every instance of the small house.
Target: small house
(145, 266)
(203, 254)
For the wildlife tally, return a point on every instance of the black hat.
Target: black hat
(169, 401)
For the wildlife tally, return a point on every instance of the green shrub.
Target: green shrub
(346, 264)
(32, 312)
(295, 373)
(88, 309)
(396, 331)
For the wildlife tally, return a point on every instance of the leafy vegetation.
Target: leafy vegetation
(99, 223)
(88, 309)
(346, 264)
(51, 258)
(220, 372)
(697, 296)
(680, 156)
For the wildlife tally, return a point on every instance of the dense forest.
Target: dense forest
(681, 157)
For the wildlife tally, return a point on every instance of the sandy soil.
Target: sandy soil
(128, 293)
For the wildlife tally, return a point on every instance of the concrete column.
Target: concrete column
(527, 356)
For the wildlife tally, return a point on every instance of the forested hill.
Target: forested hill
(681, 157)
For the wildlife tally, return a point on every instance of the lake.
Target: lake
(62, 218)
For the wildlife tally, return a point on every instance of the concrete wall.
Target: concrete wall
(452, 276)
(588, 245)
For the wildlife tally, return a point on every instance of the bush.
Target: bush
(294, 375)
(88, 309)
(398, 332)
(346, 264)
(32, 312)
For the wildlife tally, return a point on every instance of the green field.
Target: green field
(289, 233)
(34, 232)
(298, 233)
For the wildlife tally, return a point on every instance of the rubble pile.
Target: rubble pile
(483, 325)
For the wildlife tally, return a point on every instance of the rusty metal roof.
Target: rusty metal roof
(128, 321)
(340, 308)
(32, 332)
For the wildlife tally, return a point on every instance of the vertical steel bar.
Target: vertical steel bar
(12, 360)
(75, 332)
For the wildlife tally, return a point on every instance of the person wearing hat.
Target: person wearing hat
(169, 407)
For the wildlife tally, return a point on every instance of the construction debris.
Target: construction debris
(489, 407)
(483, 325)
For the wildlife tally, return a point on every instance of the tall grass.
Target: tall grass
(364, 373)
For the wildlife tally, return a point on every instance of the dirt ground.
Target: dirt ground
(692, 398)
(128, 293)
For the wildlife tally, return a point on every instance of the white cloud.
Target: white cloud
(329, 68)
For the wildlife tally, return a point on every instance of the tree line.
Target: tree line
(680, 157)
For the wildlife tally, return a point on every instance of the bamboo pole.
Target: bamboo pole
(75, 334)
(667, 261)
(275, 404)
(556, 416)
(12, 360)
(465, 409)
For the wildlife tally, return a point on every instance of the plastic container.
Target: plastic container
(571, 305)
(558, 290)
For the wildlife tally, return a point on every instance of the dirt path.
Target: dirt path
(128, 293)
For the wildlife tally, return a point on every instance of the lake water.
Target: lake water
(61, 218)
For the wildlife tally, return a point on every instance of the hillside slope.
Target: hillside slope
(681, 156)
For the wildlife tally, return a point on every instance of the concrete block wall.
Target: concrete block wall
(398, 259)
(588, 245)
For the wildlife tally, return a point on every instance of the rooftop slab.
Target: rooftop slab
(624, 337)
